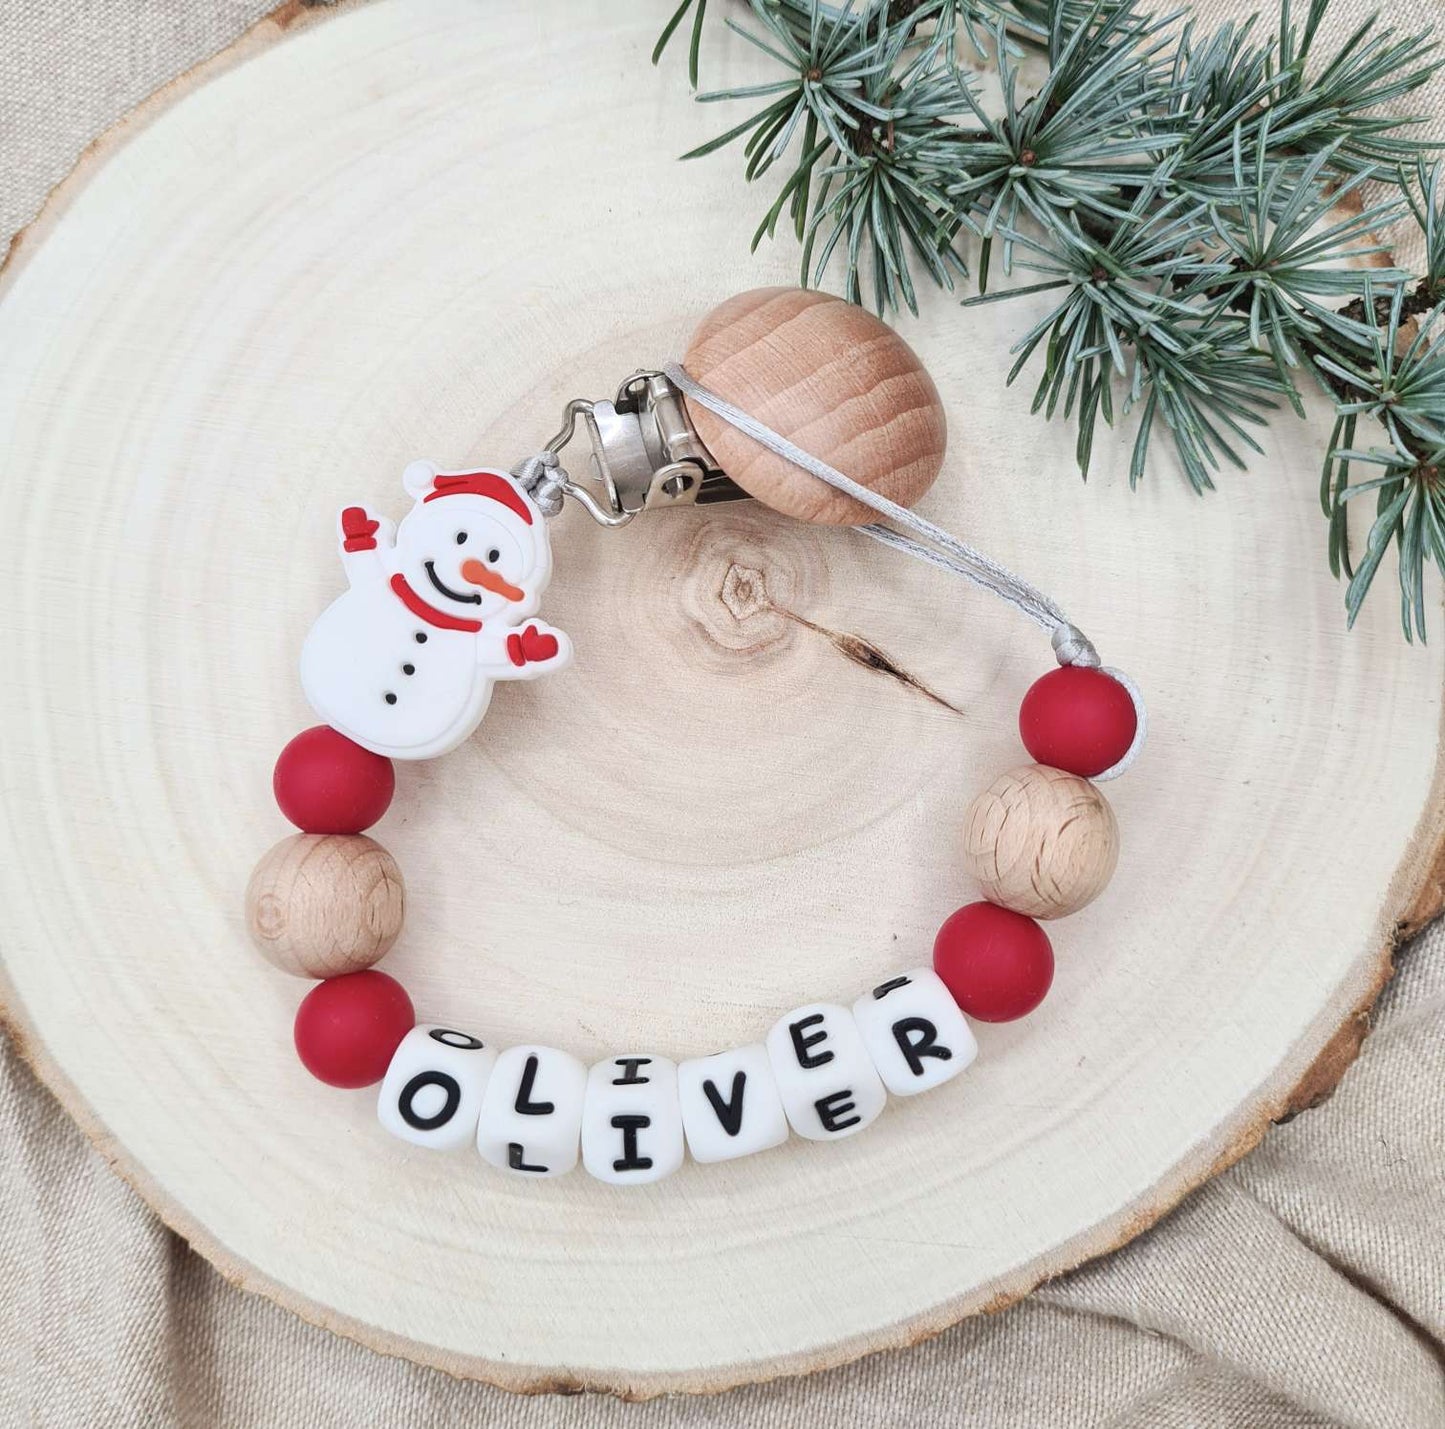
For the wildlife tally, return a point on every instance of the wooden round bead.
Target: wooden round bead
(1041, 841)
(831, 378)
(321, 905)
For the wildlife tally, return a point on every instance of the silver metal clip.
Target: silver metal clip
(646, 453)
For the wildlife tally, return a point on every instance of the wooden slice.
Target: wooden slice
(391, 236)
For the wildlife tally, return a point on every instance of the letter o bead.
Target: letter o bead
(532, 1111)
(914, 1032)
(631, 1123)
(829, 1086)
(432, 1093)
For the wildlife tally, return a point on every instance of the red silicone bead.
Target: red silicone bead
(997, 964)
(1078, 719)
(348, 1027)
(326, 784)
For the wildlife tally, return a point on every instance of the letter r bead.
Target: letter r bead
(914, 1032)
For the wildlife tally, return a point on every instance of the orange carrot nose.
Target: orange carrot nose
(488, 579)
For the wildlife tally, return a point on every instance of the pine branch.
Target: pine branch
(1192, 202)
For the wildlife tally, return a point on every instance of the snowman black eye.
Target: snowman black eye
(493, 556)
(461, 538)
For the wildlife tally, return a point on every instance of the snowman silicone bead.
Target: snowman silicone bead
(439, 608)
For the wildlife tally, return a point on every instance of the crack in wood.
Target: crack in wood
(744, 593)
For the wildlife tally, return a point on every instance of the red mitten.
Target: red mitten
(359, 529)
(530, 645)
(536, 646)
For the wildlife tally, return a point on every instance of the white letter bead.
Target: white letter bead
(914, 1032)
(730, 1104)
(532, 1111)
(631, 1124)
(826, 1078)
(432, 1093)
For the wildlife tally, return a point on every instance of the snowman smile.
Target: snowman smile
(467, 598)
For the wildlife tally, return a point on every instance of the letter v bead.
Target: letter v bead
(730, 1104)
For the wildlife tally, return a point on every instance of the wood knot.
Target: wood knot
(744, 592)
(735, 578)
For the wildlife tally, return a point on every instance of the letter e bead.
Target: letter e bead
(914, 1032)
(631, 1123)
(532, 1111)
(432, 1092)
(827, 1080)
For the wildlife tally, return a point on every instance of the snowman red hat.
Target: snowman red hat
(426, 483)
(485, 494)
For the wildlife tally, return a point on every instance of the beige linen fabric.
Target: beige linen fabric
(1306, 1287)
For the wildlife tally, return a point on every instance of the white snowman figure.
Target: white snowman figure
(439, 609)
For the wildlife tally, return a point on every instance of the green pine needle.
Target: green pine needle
(1192, 202)
(699, 15)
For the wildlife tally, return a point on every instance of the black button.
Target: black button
(408, 669)
(389, 698)
(421, 637)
